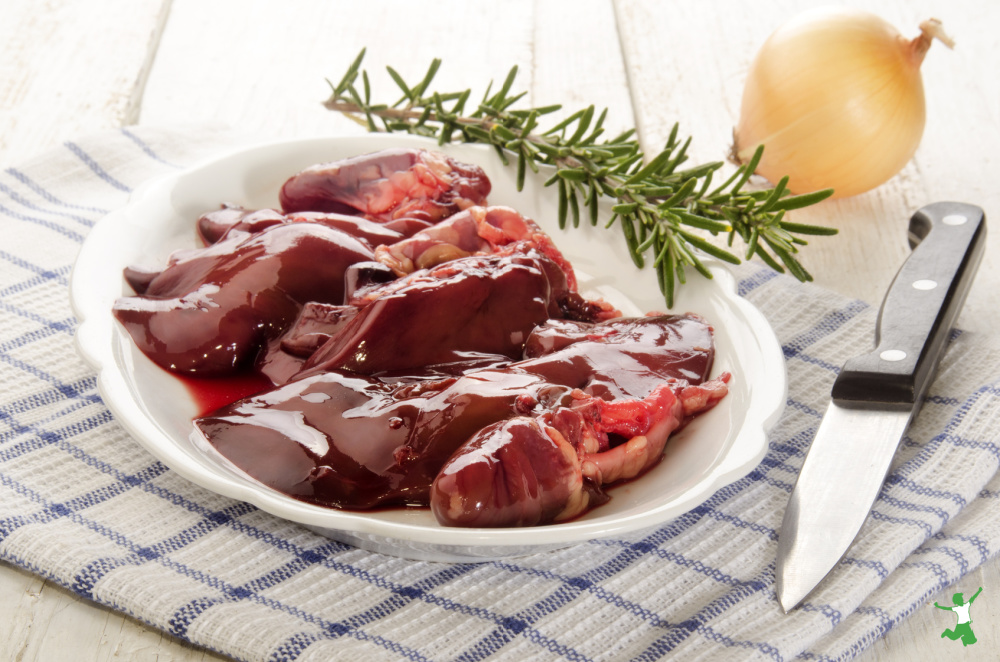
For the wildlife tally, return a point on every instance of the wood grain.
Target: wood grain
(919, 637)
(262, 65)
(679, 55)
(44, 622)
(69, 67)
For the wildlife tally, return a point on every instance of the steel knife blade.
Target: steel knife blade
(875, 396)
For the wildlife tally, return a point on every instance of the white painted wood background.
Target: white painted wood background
(69, 67)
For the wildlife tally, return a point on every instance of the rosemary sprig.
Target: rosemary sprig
(659, 205)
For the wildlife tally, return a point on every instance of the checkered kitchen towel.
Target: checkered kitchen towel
(83, 505)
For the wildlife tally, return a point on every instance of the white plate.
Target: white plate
(719, 447)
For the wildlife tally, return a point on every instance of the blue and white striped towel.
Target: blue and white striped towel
(81, 503)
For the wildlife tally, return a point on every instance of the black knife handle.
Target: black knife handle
(948, 240)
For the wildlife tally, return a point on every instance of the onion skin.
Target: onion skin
(836, 98)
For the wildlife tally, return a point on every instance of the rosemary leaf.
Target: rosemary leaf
(628, 229)
(591, 203)
(709, 248)
(805, 200)
(800, 228)
(407, 93)
(581, 126)
(563, 203)
(574, 206)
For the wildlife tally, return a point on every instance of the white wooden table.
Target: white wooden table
(69, 67)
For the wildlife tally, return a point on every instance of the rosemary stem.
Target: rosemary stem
(657, 203)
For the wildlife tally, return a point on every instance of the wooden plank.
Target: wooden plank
(267, 64)
(578, 61)
(42, 621)
(687, 62)
(261, 66)
(19, 591)
(78, 66)
(919, 637)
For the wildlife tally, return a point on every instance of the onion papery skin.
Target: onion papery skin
(836, 98)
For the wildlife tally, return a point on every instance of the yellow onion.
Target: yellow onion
(836, 98)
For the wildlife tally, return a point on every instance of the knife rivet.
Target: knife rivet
(924, 284)
(954, 219)
(892, 355)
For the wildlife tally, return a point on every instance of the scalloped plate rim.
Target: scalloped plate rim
(400, 538)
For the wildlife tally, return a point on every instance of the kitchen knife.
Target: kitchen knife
(876, 395)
